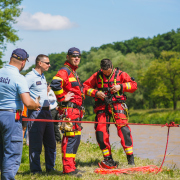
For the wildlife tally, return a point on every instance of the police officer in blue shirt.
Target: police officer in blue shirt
(14, 92)
(40, 132)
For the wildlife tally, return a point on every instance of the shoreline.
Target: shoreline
(149, 142)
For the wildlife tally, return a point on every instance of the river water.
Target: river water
(149, 142)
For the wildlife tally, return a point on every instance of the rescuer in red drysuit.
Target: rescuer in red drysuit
(70, 94)
(109, 85)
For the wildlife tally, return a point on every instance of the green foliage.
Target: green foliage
(169, 41)
(57, 61)
(155, 71)
(161, 79)
(131, 63)
(9, 11)
(156, 116)
(93, 59)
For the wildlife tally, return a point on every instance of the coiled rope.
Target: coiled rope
(144, 169)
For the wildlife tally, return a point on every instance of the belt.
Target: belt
(120, 111)
(100, 102)
(45, 108)
(70, 104)
(115, 111)
(9, 110)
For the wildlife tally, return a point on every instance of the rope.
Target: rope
(172, 124)
(144, 169)
(165, 149)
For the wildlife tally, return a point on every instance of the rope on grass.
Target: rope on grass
(144, 169)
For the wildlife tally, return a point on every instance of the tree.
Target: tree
(162, 79)
(169, 41)
(9, 11)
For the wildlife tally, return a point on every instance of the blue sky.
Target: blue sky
(54, 26)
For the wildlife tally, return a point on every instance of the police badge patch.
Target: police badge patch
(38, 83)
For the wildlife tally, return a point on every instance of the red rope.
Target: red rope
(172, 124)
(165, 150)
(144, 169)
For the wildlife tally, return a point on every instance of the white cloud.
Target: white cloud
(43, 22)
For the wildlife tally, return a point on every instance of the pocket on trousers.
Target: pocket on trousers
(16, 144)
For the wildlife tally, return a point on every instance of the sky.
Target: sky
(54, 26)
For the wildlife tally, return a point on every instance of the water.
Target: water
(149, 142)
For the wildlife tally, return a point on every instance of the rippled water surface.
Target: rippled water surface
(149, 142)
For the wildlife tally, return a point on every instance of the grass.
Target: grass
(150, 116)
(87, 159)
(154, 116)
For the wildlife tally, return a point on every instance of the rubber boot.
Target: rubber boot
(109, 163)
(130, 159)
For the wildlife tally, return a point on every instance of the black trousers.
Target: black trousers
(54, 114)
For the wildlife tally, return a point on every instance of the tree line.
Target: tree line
(169, 41)
(156, 72)
(153, 62)
(157, 78)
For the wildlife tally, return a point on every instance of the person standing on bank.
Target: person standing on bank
(109, 85)
(40, 132)
(14, 92)
(54, 112)
(70, 95)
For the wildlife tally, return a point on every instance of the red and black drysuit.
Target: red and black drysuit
(66, 80)
(113, 106)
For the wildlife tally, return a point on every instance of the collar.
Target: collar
(35, 72)
(12, 67)
(71, 66)
(109, 77)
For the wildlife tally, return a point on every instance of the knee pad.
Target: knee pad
(126, 134)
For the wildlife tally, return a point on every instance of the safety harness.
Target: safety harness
(66, 105)
(108, 100)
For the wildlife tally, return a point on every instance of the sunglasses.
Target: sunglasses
(48, 63)
(76, 55)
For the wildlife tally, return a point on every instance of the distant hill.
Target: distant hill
(169, 41)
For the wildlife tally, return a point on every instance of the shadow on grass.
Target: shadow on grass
(89, 163)
(24, 173)
(158, 111)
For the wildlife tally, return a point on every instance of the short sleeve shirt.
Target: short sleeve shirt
(38, 87)
(52, 99)
(12, 84)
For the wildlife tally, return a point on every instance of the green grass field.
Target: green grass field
(89, 155)
(154, 116)
(87, 159)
